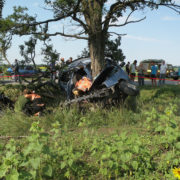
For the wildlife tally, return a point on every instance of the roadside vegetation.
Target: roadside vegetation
(137, 140)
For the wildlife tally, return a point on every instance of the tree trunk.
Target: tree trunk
(93, 17)
(34, 64)
(5, 57)
(32, 59)
(96, 48)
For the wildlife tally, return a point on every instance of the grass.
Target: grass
(131, 113)
(139, 140)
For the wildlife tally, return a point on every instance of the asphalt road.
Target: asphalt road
(167, 82)
(147, 82)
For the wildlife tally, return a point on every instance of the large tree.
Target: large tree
(94, 20)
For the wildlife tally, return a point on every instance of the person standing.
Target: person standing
(128, 68)
(141, 70)
(16, 70)
(162, 75)
(133, 70)
(154, 69)
(53, 71)
(69, 61)
(61, 63)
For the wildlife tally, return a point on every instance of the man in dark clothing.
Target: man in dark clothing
(69, 61)
(128, 68)
(16, 70)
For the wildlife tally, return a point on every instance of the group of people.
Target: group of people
(132, 68)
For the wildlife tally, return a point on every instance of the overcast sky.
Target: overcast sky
(157, 37)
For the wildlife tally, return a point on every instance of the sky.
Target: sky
(156, 37)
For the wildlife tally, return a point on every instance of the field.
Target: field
(137, 140)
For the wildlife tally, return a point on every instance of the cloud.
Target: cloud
(36, 4)
(170, 18)
(140, 38)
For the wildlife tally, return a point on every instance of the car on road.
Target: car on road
(26, 70)
(176, 74)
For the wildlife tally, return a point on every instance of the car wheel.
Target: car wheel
(129, 88)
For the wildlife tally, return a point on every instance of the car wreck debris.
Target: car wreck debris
(35, 106)
(112, 84)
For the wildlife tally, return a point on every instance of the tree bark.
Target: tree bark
(32, 59)
(34, 64)
(96, 48)
(93, 17)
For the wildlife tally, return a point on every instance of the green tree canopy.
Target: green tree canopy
(112, 50)
(28, 50)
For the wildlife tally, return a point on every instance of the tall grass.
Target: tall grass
(132, 113)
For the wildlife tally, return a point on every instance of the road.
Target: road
(167, 82)
(147, 82)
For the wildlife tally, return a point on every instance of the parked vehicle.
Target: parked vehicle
(170, 70)
(176, 74)
(111, 84)
(147, 67)
(26, 70)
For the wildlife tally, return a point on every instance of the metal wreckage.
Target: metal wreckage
(112, 85)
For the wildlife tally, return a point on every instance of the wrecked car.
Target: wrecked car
(112, 84)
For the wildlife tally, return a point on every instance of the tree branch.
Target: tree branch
(77, 36)
(126, 22)
(117, 34)
(74, 17)
(169, 6)
(110, 15)
(124, 4)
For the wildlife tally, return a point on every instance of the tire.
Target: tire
(129, 88)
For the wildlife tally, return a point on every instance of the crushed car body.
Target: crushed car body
(112, 83)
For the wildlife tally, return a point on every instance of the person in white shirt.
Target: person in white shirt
(162, 75)
(133, 70)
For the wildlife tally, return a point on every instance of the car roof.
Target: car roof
(79, 62)
(152, 61)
